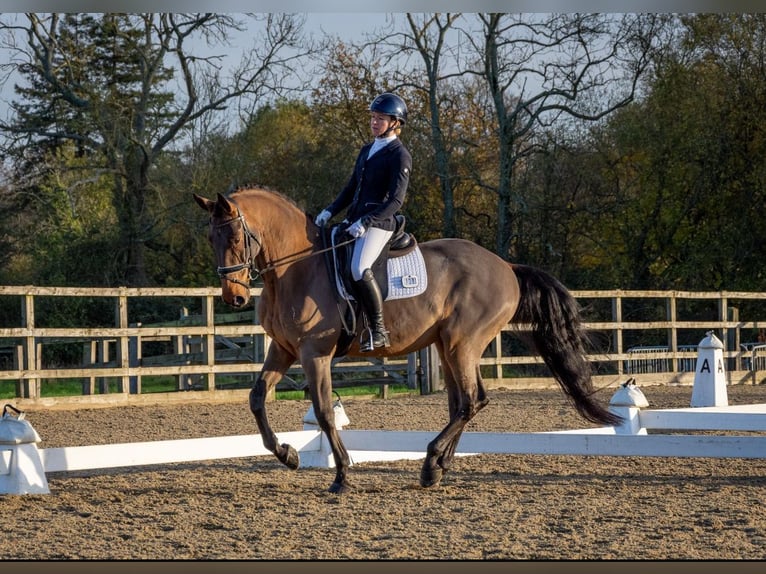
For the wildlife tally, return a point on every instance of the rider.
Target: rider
(373, 195)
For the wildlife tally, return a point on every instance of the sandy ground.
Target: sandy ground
(491, 507)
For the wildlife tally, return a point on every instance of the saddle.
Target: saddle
(338, 261)
(400, 244)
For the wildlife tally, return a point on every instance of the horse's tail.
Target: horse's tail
(558, 336)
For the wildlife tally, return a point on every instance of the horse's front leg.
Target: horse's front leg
(278, 360)
(319, 375)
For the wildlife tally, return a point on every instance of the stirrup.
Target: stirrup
(370, 343)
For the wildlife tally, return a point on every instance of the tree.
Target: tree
(546, 69)
(691, 160)
(126, 88)
(428, 34)
(280, 147)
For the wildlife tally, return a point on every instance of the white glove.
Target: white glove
(323, 218)
(356, 229)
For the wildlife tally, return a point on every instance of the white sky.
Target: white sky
(354, 6)
(346, 25)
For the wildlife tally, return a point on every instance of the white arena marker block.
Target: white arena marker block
(627, 402)
(21, 470)
(21, 466)
(710, 376)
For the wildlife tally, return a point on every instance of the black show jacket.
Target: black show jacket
(376, 189)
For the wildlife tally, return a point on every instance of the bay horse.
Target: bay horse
(471, 295)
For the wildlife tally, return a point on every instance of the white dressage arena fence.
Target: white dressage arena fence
(23, 466)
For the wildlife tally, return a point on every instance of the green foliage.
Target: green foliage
(63, 226)
(282, 148)
(692, 162)
(664, 193)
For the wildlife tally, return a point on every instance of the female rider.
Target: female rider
(373, 196)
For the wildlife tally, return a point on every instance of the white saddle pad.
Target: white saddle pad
(407, 276)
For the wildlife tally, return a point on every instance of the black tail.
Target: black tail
(558, 337)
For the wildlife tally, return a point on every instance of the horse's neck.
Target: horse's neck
(285, 243)
(283, 235)
(287, 254)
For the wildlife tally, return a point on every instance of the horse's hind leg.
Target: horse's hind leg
(467, 396)
(278, 360)
(446, 459)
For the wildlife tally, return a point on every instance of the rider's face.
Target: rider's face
(379, 123)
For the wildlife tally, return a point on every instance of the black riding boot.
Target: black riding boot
(372, 301)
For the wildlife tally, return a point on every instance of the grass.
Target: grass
(73, 387)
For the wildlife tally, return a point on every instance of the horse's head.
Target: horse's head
(235, 247)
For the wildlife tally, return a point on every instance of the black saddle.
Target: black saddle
(401, 239)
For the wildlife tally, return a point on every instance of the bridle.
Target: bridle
(248, 259)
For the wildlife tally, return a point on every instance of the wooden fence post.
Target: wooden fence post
(134, 361)
(181, 347)
(429, 362)
(102, 357)
(121, 345)
(29, 387)
(89, 358)
(209, 340)
(617, 333)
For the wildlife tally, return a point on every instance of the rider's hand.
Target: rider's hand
(356, 229)
(323, 218)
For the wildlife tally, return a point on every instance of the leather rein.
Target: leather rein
(248, 260)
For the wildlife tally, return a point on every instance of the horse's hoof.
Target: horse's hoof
(290, 458)
(339, 488)
(430, 477)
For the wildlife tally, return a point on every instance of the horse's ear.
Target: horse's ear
(225, 205)
(204, 203)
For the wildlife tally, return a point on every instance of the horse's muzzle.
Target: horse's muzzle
(234, 292)
(238, 301)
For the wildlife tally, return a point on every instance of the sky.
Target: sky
(353, 6)
(344, 19)
(346, 25)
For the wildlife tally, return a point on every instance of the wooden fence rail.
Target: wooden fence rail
(650, 335)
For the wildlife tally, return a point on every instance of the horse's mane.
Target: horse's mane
(256, 188)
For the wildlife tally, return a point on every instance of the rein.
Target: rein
(250, 254)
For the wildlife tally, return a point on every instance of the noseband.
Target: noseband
(249, 255)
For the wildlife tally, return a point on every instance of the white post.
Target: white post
(710, 376)
(324, 458)
(21, 467)
(628, 402)
(341, 418)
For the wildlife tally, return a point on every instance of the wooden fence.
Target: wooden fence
(650, 335)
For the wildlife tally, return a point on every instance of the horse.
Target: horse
(471, 295)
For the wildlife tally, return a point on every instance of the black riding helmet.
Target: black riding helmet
(391, 105)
